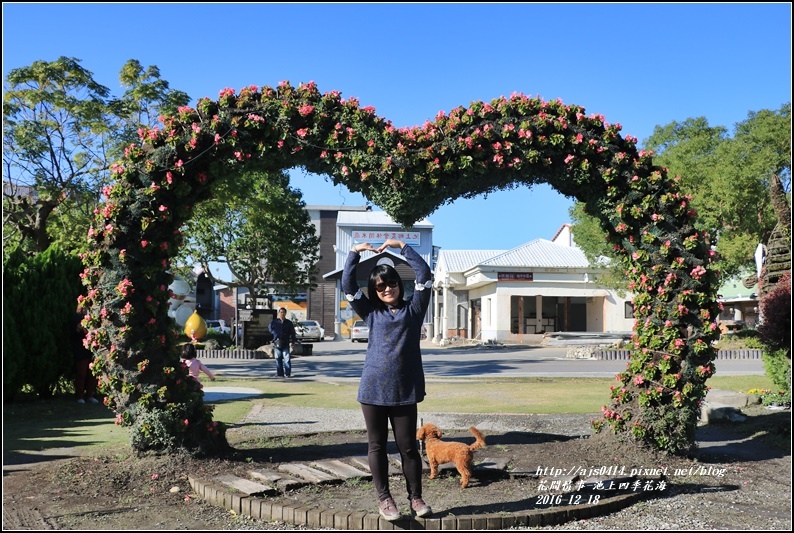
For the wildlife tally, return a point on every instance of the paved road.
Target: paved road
(342, 359)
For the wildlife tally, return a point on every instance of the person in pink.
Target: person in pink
(194, 366)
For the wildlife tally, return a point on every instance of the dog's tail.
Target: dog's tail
(480, 442)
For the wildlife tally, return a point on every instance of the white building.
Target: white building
(374, 227)
(517, 295)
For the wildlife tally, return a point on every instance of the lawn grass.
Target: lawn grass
(740, 383)
(35, 425)
(60, 422)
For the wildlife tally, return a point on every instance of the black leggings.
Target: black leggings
(403, 422)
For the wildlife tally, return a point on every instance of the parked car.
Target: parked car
(359, 332)
(219, 326)
(307, 330)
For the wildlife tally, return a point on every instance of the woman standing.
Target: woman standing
(393, 380)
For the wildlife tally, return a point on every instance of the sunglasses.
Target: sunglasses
(381, 286)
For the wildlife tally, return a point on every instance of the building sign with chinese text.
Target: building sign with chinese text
(411, 238)
(514, 276)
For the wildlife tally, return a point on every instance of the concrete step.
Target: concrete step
(341, 470)
(312, 475)
(281, 480)
(265, 482)
(246, 486)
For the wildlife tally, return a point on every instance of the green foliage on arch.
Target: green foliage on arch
(409, 172)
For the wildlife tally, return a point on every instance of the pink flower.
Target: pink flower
(124, 287)
(697, 272)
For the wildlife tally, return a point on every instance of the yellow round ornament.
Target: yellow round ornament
(195, 327)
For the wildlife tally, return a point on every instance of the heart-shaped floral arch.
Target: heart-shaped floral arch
(409, 172)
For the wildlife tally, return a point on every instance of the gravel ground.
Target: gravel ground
(753, 491)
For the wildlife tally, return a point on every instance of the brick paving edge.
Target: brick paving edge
(263, 509)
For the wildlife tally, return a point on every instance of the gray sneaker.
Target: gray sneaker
(420, 508)
(388, 510)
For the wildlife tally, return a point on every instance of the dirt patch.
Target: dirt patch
(731, 488)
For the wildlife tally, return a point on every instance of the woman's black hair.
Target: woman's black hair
(188, 351)
(384, 273)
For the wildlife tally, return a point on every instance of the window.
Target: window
(628, 310)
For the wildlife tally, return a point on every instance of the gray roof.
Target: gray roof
(536, 253)
(540, 253)
(462, 260)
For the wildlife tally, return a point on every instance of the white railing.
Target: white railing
(609, 354)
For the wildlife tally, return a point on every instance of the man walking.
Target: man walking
(283, 336)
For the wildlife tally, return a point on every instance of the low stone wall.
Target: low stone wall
(265, 352)
(233, 354)
(721, 354)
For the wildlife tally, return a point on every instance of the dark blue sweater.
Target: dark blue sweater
(283, 332)
(393, 373)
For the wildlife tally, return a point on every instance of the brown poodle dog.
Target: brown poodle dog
(440, 452)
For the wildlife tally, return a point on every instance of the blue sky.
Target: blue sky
(640, 65)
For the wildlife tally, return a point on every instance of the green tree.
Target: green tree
(54, 117)
(729, 179)
(259, 227)
(590, 237)
(40, 301)
(14, 377)
(146, 98)
(61, 132)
